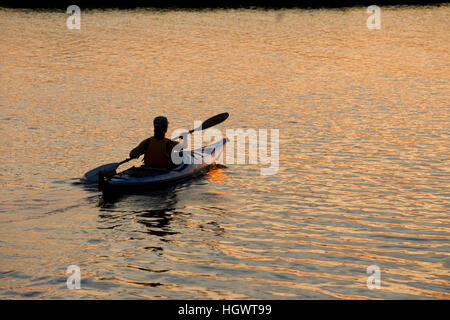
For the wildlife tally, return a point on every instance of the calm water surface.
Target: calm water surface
(364, 174)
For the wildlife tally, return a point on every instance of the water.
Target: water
(364, 153)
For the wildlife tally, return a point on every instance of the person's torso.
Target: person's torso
(156, 154)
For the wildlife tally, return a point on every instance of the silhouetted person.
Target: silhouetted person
(157, 150)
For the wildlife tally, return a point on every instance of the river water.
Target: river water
(364, 160)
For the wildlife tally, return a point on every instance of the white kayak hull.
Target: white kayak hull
(195, 163)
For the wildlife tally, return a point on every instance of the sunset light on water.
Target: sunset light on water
(362, 174)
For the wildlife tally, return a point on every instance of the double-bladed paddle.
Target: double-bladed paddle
(92, 175)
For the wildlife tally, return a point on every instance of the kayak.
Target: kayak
(195, 163)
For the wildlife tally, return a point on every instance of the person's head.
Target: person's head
(160, 126)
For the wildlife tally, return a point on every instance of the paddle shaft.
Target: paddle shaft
(205, 125)
(124, 161)
(209, 123)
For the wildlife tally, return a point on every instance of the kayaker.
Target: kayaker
(157, 150)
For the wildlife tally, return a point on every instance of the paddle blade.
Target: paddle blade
(92, 176)
(213, 121)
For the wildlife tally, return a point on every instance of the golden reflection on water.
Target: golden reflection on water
(364, 153)
(217, 175)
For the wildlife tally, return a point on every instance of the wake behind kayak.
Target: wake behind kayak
(195, 163)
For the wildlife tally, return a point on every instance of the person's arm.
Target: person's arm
(170, 145)
(139, 150)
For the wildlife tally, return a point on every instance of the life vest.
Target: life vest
(156, 154)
